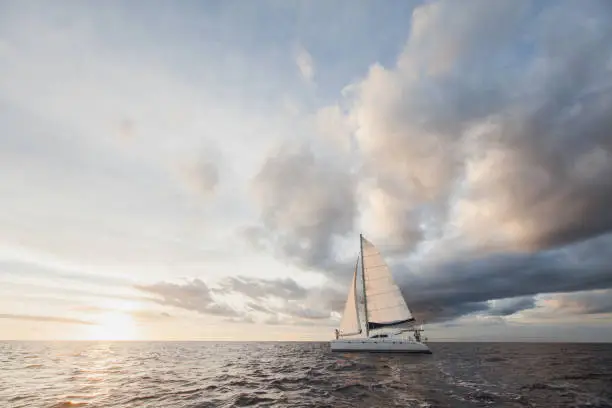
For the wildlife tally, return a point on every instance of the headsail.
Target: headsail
(349, 325)
(386, 306)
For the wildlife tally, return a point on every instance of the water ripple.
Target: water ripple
(201, 375)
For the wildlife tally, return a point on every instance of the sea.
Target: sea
(207, 374)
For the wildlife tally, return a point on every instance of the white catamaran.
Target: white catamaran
(386, 319)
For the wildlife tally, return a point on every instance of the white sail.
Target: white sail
(349, 325)
(385, 304)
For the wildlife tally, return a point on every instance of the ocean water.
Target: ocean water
(202, 374)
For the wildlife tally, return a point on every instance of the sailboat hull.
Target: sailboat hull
(379, 345)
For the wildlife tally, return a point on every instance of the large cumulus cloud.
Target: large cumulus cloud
(495, 126)
(486, 154)
(306, 202)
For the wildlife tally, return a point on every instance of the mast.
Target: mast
(355, 292)
(365, 297)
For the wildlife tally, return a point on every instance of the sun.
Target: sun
(113, 325)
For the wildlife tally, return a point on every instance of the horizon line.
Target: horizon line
(299, 341)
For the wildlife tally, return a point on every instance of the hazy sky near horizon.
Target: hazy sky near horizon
(202, 170)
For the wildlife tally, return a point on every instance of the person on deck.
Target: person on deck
(337, 333)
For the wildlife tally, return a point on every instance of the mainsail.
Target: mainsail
(349, 325)
(385, 305)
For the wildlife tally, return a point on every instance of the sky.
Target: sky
(202, 170)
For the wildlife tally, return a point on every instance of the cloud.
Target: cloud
(303, 312)
(51, 319)
(149, 315)
(334, 128)
(443, 289)
(126, 130)
(254, 288)
(31, 268)
(256, 307)
(241, 319)
(581, 303)
(193, 295)
(63, 294)
(199, 170)
(487, 163)
(305, 203)
(143, 315)
(91, 309)
(282, 300)
(201, 177)
(517, 157)
(305, 64)
(508, 307)
(472, 31)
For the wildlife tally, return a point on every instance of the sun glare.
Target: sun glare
(114, 325)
